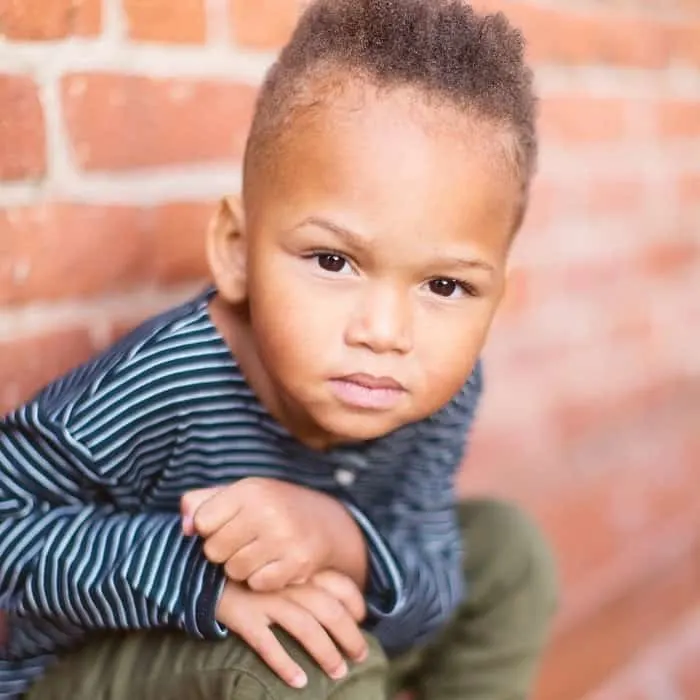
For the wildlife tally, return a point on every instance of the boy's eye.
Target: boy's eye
(331, 262)
(447, 288)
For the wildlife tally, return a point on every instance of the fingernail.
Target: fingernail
(362, 656)
(299, 681)
(340, 672)
(187, 524)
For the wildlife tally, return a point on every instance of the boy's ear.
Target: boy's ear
(227, 250)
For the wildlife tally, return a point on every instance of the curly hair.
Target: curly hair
(442, 48)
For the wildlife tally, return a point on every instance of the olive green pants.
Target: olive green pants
(488, 651)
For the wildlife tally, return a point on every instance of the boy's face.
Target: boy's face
(375, 251)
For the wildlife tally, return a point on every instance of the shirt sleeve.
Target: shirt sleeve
(416, 574)
(68, 566)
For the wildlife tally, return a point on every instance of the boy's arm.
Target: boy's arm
(415, 574)
(67, 566)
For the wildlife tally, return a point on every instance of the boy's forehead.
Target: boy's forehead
(389, 158)
(360, 109)
(363, 127)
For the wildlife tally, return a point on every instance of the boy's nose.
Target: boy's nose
(382, 323)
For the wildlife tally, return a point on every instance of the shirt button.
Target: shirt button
(345, 477)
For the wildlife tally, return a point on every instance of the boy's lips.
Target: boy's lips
(371, 382)
(368, 392)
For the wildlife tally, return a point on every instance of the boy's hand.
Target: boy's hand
(321, 615)
(271, 533)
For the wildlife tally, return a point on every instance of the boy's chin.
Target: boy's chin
(359, 428)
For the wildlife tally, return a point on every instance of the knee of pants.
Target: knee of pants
(168, 666)
(365, 681)
(504, 545)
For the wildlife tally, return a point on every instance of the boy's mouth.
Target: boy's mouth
(368, 392)
(370, 382)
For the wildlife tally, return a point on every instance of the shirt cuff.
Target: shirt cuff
(385, 591)
(182, 591)
(206, 586)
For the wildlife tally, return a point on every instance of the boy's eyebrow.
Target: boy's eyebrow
(350, 238)
(466, 263)
(355, 240)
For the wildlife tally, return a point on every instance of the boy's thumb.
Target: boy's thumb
(190, 504)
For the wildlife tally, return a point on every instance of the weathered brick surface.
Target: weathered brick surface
(181, 22)
(668, 668)
(59, 251)
(28, 362)
(109, 170)
(39, 20)
(22, 139)
(265, 24)
(122, 122)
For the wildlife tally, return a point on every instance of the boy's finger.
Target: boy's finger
(344, 589)
(213, 513)
(309, 632)
(226, 542)
(334, 616)
(272, 576)
(263, 641)
(190, 503)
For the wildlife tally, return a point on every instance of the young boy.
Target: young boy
(311, 407)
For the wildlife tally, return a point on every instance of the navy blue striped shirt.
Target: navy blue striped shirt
(92, 470)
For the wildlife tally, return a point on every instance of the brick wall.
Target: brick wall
(121, 121)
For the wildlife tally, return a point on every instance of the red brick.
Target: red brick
(666, 258)
(630, 322)
(629, 688)
(621, 9)
(687, 673)
(554, 35)
(63, 250)
(23, 150)
(518, 294)
(545, 197)
(183, 21)
(670, 662)
(27, 364)
(118, 122)
(598, 278)
(690, 7)
(634, 692)
(564, 37)
(583, 656)
(616, 197)
(673, 7)
(575, 119)
(679, 119)
(41, 20)
(580, 524)
(179, 245)
(60, 251)
(611, 417)
(576, 37)
(263, 24)
(689, 191)
(686, 41)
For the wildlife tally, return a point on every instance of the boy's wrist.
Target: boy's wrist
(348, 548)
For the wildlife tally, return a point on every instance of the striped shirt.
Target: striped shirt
(92, 470)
